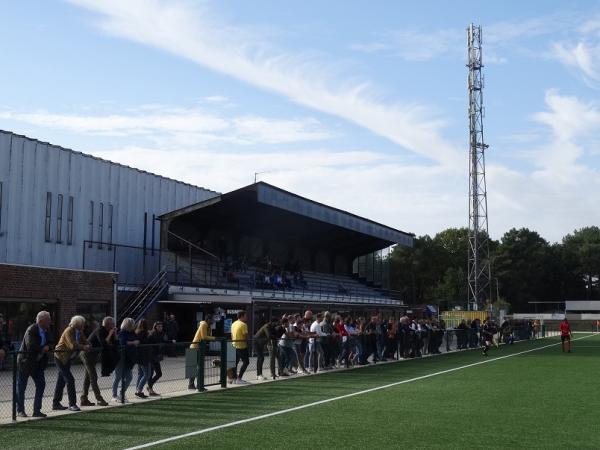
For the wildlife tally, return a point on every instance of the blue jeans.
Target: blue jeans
(144, 375)
(121, 373)
(316, 354)
(360, 350)
(40, 384)
(65, 377)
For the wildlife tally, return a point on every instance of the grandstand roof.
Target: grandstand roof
(266, 211)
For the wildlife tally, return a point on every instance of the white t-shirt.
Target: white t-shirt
(315, 328)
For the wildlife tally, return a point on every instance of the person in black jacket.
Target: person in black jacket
(32, 362)
(3, 348)
(172, 330)
(157, 338)
(462, 335)
(144, 356)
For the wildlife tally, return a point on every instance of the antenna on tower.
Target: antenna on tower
(479, 273)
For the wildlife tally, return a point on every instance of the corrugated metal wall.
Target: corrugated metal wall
(31, 172)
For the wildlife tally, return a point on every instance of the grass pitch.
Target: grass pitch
(539, 399)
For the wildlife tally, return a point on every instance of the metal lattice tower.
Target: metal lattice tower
(479, 274)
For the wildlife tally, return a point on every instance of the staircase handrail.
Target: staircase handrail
(142, 295)
(197, 247)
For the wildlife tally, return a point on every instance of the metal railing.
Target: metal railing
(192, 245)
(180, 367)
(144, 299)
(137, 266)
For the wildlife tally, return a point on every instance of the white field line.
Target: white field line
(341, 397)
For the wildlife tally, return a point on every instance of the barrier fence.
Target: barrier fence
(175, 368)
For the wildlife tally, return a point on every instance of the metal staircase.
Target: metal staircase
(137, 306)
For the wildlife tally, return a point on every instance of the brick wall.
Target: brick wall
(66, 287)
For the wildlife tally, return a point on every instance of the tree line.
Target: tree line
(525, 268)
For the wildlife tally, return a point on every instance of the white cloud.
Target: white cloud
(568, 117)
(192, 32)
(582, 56)
(414, 45)
(555, 197)
(580, 50)
(371, 184)
(180, 125)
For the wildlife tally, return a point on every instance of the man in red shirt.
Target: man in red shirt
(565, 335)
(340, 329)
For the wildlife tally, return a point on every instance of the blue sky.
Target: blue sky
(359, 104)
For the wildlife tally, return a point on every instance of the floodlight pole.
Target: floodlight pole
(479, 273)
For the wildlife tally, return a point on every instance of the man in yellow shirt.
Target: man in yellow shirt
(239, 338)
(203, 333)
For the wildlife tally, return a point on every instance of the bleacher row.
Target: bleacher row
(202, 272)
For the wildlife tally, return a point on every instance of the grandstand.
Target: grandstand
(258, 248)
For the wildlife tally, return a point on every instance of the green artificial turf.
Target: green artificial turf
(542, 399)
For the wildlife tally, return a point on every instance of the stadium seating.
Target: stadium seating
(206, 273)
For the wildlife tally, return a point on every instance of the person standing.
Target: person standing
(32, 362)
(157, 338)
(100, 339)
(172, 330)
(371, 340)
(203, 333)
(239, 337)
(128, 343)
(286, 348)
(144, 355)
(565, 335)
(70, 343)
(487, 335)
(314, 344)
(326, 340)
(462, 335)
(2, 344)
(345, 338)
(263, 340)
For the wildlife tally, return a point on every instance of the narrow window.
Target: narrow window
(91, 236)
(100, 224)
(0, 207)
(59, 216)
(48, 215)
(110, 220)
(70, 222)
(145, 230)
(153, 232)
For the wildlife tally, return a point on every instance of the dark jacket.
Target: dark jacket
(158, 341)
(129, 352)
(32, 356)
(144, 351)
(106, 351)
(172, 329)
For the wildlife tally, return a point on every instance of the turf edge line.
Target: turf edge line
(341, 397)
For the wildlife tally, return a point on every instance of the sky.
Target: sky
(361, 105)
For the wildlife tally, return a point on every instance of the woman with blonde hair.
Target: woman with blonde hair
(128, 343)
(71, 342)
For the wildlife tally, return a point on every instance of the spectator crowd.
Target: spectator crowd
(116, 352)
(293, 344)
